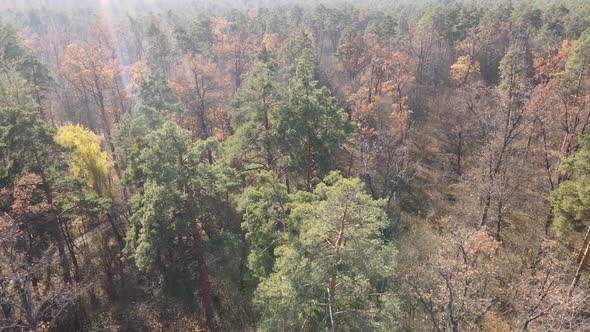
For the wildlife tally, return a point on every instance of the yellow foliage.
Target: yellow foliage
(88, 160)
(136, 70)
(272, 41)
(493, 323)
(464, 67)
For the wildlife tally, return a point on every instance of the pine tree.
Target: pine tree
(174, 213)
(332, 271)
(254, 117)
(311, 125)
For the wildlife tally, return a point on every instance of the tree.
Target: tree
(88, 160)
(334, 267)
(351, 52)
(578, 65)
(298, 46)
(464, 67)
(174, 215)
(380, 108)
(92, 68)
(201, 89)
(560, 119)
(571, 204)
(160, 54)
(456, 280)
(265, 210)
(28, 147)
(24, 306)
(254, 116)
(502, 132)
(235, 46)
(196, 37)
(15, 56)
(311, 125)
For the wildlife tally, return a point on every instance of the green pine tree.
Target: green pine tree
(334, 269)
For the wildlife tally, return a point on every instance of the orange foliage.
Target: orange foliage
(22, 194)
(234, 47)
(551, 61)
(92, 68)
(464, 67)
(198, 84)
(272, 41)
(381, 102)
(561, 115)
(87, 66)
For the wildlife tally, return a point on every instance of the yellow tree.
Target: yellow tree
(464, 67)
(91, 67)
(88, 160)
(91, 163)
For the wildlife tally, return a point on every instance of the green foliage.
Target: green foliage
(35, 72)
(527, 18)
(514, 74)
(265, 212)
(320, 258)
(159, 51)
(27, 141)
(450, 23)
(578, 65)
(195, 37)
(386, 28)
(155, 92)
(311, 125)
(11, 49)
(14, 56)
(334, 261)
(571, 200)
(254, 117)
(553, 30)
(179, 190)
(156, 104)
(298, 47)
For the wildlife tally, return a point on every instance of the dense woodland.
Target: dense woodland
(294, 166)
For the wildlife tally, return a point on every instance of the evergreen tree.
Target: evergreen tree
(265, 210)
(311, 125)
(254, 117)
(334, 268)
(577, 67)
(571, 200)
(174, 212)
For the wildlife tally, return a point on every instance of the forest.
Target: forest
(294, 165)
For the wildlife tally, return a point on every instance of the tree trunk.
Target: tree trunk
(57, 235)
(499, 221)
(116, 231)
(27, 308)
(486, 207)
(204, 285)
(71, 249)
(459, 153)
(583, 257)
(308, 161)
(548, 220)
